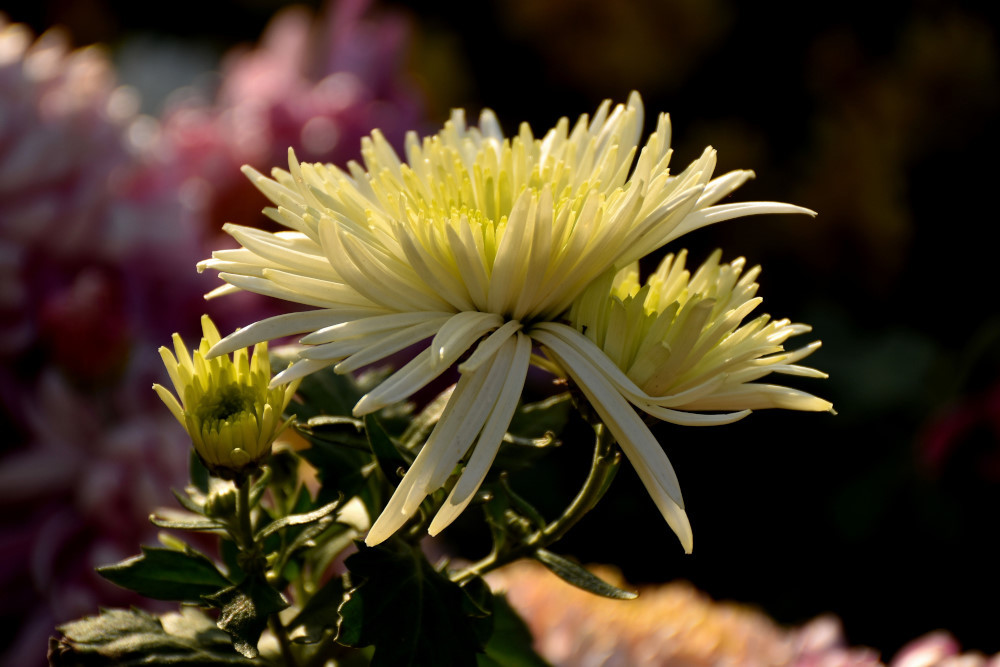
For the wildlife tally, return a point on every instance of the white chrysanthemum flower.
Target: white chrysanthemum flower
(479, 241)
(225, 404)
(681, 344)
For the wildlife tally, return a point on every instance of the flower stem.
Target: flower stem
(282, 635)
(602, 470)
(243, 515)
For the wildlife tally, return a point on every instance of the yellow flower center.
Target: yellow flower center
(227, 402)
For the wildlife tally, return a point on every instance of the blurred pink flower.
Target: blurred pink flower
(674, 625)
(103, 216)
(966, 435)
(78, 496)
(315, 84)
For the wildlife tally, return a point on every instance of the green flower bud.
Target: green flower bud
(221, 503)
(225, 403)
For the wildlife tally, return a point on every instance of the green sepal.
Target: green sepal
(245, 610)
(167, 574)
(131, 637)
(574, 574)
(510, 645)
(410, 612)
(319, 615)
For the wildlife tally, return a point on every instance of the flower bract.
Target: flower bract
(475, 242)
(225, 403)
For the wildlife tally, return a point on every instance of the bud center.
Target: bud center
(225, 403)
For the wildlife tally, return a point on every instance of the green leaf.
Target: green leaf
(245, 610)
(198, 473)
(390, 458)
(329, 545)
(532, 433)
(127, 637)
(477, 603)
(534, 420)
(192, 499)
(409, 611)
(186, 524)
(522, 506)
(167, 574)
(510, 645)
(260, 486)
(297, 520)
(230, 554)
(319, 614)
(576, 575)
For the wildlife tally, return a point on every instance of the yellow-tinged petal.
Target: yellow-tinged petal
(477, 241)
(226, 405)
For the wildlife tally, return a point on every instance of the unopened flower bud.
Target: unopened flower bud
(225, 403)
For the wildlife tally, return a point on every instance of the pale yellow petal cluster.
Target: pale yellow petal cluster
(682, 342)
(477, 242)
(225, 403)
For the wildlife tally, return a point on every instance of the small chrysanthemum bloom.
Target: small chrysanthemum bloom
(674, 348)
(682, 346)
(478, 241)
(225, 403)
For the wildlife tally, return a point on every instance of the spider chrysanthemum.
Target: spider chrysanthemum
(477, 242)
(225, 403)
(681, 345)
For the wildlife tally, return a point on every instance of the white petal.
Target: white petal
(437, 453)
(489, 347)
(284, 325)
(714, 214)
(639, 445)
(489, 441)
(297, 370)
(370, 325)
(387, 345)
(458, 334)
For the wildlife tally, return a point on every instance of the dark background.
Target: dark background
(881, 117)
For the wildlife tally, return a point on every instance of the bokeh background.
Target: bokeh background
(880, 116)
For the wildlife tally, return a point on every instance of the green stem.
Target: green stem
(603, 468)
(282, 635)
(243, 515)
(250, 548)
